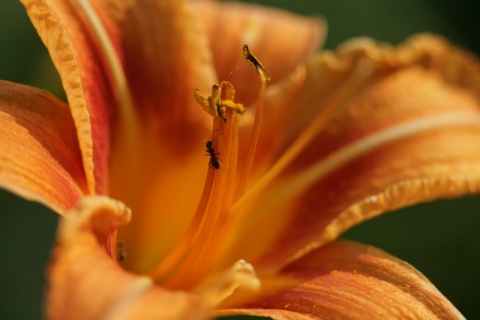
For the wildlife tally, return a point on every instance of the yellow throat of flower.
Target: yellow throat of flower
(195, 254)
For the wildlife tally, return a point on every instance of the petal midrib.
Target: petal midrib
(128, 119)
(373, 141)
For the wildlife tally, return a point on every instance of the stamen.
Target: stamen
(264, 77)
(307, 135)
(195, 255)
(215, 102)
(215, 105)
(229, 94)
(204, 102)
(217, 222)
(190, 261)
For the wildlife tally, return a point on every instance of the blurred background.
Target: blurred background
(440, 239)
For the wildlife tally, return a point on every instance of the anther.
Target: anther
(255, 63)
(214, 105)
(203, 102)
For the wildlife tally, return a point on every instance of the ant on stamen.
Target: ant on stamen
(121, 253)
(214, 162)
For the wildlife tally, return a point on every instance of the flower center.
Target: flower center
(194, 256)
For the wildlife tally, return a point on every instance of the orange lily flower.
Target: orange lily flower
(336, 138)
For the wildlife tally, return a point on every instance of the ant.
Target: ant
(121, 253)
(214, 162)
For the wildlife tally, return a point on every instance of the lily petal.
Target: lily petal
(74, 54)
(165, 56)
(346, 280)
(407, 132)
(129, 74)
(87, 283)
(282, 40)
(39, 154)
(111, 77)
(218, 288)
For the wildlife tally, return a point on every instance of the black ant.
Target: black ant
(214, 162)
(121, 253)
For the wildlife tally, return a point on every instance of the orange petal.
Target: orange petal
(136, 63)
(86, 283)
(39, 155)
(75, 55)
(280, 39)
(165, 57)
(124, 59)
(346, 280)
(216, 289)
(408, 131)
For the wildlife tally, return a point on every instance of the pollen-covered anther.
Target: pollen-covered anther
(215, 106)
(236, 107)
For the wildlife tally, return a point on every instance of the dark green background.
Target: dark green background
(441, 239)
